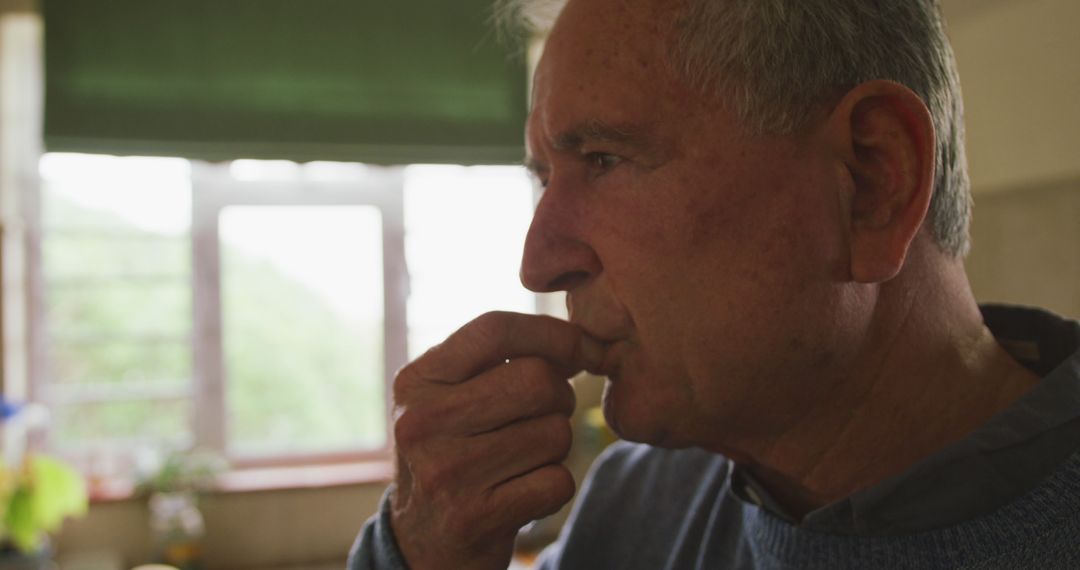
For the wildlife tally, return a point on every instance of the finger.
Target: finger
(534, 495)
(485, 461)
(523, 388)
(523, 447)
(494, 337)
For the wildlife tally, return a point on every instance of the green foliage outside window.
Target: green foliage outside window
(299, 378)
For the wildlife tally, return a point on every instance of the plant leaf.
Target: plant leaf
(25, 534)
(59, 492)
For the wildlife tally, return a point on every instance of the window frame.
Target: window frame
(213, 188)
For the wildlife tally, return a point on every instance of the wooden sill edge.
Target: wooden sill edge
(269, 479)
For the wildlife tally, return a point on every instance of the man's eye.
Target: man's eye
(602, 161)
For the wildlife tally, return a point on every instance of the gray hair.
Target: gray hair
(776, 61)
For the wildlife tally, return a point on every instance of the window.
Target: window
(257, 308)
(324, 349)
(116, 365)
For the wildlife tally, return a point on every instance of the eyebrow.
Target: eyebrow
(595, 131)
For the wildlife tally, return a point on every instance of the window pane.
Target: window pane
(464, 232)
(74, 256)
(302, 314)
(85, 191)
(117, 299)
(146, 422)
(121, 360)
(119, 308)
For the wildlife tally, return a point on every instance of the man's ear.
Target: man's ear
(886, 138)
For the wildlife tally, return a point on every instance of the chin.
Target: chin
(641, 421)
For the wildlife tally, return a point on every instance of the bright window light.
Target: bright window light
(464, 232)
(302, 312)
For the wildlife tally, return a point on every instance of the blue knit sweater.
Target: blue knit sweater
(686, 516)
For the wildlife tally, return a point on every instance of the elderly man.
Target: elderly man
(758, 210)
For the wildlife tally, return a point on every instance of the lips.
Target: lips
(602, 338)
(602, 317)
(613, 348)
(606, 328)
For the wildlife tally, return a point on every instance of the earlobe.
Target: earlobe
(887, 139)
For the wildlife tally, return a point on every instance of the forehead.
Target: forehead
(605, 60)
(607, 20)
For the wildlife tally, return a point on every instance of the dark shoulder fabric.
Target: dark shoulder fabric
(621, 522)
(376, 548)
(1035, 530)
(1040, 340)
(643, 507)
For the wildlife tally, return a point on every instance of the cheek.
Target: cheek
(699, 261)
(763, 271)
(775, 226)
(713, 215)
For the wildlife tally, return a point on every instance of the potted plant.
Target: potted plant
(173, 486)
(37, 493)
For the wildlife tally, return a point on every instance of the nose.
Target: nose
(557, 254)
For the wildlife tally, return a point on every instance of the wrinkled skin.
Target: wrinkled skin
(480, 439)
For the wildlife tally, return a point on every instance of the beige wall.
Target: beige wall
(1021, 79)
(1027, 246)
(257, 530)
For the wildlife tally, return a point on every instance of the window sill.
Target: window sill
(272, 479)
(306, 477)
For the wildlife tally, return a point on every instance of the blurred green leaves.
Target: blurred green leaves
(36, 498)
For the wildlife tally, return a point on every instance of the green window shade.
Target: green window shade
(382, 81)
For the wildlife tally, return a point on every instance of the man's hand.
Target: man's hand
(481, 427)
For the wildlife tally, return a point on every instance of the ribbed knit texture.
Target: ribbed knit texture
(1041, 529)
(699, 523)
(376, 547)
(714, 529)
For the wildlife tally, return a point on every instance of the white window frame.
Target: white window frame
(215, 188)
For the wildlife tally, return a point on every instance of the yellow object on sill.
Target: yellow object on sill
(598, 434)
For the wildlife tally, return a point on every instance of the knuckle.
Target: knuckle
(404, 382)
(493, 323)
(410, 428)
(436, 478)
(558, 488)
(491, 317)
(561, 434)
(564, 486)
(554, 437)
(571, 401)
